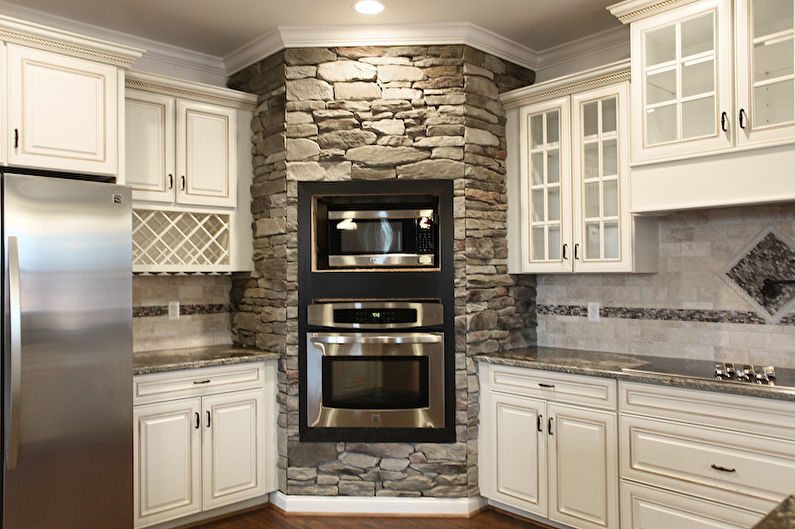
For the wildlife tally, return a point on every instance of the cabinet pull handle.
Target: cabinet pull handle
(170, 181)
(723, 469)
(724, 118)
(16, 138)
(182, 183)
(542, 385)
(538, 423)
(565, 246)
(549, 427)
(742, 120)
(576, 251)
(208, 418)
(202, 381)
(198, 420)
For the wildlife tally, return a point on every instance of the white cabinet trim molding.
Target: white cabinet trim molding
(632, 10)
(185, 89)
(67, 43)
(377, 506)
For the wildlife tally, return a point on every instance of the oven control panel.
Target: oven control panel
(375, 314)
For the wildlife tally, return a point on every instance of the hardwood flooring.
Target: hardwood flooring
(271, 518)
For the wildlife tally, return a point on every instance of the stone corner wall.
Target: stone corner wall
(382, 113)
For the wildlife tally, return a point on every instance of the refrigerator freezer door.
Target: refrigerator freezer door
(74, 467)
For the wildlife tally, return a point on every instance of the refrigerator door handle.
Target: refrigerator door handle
(15, 330)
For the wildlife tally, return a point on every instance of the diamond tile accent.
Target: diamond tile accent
(770, 256)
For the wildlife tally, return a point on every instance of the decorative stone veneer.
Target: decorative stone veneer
(382, 113)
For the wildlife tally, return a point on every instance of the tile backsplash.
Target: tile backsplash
(204, 311)
(690, 308)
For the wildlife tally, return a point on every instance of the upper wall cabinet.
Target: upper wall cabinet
(713, 102)
(63, 99)
(568, 178)
(181, 144)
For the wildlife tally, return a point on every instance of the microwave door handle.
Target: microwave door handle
(15, 329)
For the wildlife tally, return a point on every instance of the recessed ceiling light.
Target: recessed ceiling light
(369, 7)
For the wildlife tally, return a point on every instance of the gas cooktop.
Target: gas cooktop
(728, 372)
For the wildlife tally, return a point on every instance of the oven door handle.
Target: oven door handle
(402, 338)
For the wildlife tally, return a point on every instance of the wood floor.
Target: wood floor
(270, 518)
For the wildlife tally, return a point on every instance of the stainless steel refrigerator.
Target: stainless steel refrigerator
(67, 354)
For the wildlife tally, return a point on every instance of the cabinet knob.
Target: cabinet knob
(743, 118)
(565, 247)
(576, 251)
(16, 138)
(182, 183)
(724, 122)
(723, 469)
(208, 418)
(549, 427)
(197, 420)
(170, 181)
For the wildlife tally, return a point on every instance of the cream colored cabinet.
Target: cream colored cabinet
(167, 454)
(572, 179)
(62, 112)
(203, 439)
(557, 460)
(180, 151)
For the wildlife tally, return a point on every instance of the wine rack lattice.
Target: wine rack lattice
(171, 240)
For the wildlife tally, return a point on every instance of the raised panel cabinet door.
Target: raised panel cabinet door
(149, 146)
(682, 86)
(765, 71)
(518, 458)
(600, 156)
(583, 467)
(644, 507)
(206, 154)
(167, 461)
(234, 444)
(62, 112)
(546, 187)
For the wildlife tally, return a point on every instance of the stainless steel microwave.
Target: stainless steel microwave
(389, 236)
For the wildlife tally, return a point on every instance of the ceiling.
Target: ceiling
(218, 27)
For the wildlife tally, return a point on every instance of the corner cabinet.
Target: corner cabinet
(64, 96)
(188, 160)
(548, 445)
(569, 167)
(713, 91)
(203, 439)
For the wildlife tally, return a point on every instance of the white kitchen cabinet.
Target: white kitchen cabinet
(203, 439)
(150, 145)
(167, 455)
(545, 455)
(63, 112)
(572, 178)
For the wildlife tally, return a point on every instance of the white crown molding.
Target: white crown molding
(379, 35)
(607, 46)
(159, 57)
(378, 505)
(190, 90)
(630, 11)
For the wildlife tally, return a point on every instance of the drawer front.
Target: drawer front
(749, 471)
(645, 507)
(197, 382)
(559, 387)
(774, 418)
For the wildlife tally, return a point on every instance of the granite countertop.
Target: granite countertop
(148, 362)
(782, 517)
(694, 374)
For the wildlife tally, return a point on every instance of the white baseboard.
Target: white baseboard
(377, 505)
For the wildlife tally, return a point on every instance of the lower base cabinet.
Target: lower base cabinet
(200, 453)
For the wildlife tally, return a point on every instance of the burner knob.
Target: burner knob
(761, 378)
(720, 371)
(748, 371)
(770, 371)
(729, 367)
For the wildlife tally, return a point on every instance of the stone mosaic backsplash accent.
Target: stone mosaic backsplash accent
(773, 258)
(184, 310)
(639, 313)
(383, 113)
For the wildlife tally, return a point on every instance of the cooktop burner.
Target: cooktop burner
(747, 373)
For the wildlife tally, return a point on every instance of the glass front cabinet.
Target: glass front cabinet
(696, 89)
(572, 178)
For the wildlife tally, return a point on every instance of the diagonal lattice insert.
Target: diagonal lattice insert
(168, 239)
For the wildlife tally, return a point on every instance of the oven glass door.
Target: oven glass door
(373, 382)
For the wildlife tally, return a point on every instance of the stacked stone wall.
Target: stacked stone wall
(383, 113)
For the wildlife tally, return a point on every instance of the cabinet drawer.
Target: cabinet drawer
(197, 382)
(749, 471)
(774, 418)
(559, 387)
(645, 507)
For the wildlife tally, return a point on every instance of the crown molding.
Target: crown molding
(159, 57)
(191, 90)
(630, 11)
(611, 45)
(379, 35)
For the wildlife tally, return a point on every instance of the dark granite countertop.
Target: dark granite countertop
(782, 517)
(148, 362)
(694, 374)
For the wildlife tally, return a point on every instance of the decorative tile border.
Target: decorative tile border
(635, 313)
(184, 310)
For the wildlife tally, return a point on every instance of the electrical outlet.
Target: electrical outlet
(173, 310)
(593, 311)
